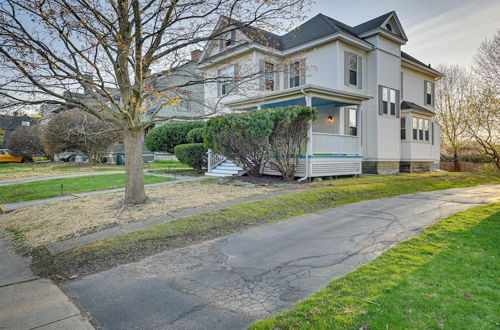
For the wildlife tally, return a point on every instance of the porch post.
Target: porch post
(309, 147)
(360, 129)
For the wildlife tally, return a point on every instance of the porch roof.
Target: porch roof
(300, 91)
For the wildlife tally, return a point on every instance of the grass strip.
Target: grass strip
(445, 278)
(110, 252)
(52, 188)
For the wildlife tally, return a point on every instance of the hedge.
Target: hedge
(192, 154)
(195, 135)
(171, 134)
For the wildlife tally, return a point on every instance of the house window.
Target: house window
(388, 27)
(393, 102)
(429, 93)
(268, 76)
(389, 99)
(353, 122)
(227, 84)
(227, 40)
(295, 74)
(353, 69)
(415, 129)
(25, 123)
(421, 131)
(385, 100)
(426, 130)
(403, 128)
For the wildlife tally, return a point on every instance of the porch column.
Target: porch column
(309, 147)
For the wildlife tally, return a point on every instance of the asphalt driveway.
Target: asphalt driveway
(230, 282)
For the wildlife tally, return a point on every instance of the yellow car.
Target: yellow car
(5, 157)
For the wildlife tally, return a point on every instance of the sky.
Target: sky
(439, 31)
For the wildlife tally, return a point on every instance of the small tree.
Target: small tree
(243, 137)
(288, 137)
(26, 142)
(75, 130)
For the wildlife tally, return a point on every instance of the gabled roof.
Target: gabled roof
(371, 24)
(317, 27)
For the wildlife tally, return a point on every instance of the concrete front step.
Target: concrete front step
(216, 174)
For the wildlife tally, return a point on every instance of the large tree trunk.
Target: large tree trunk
(134, 186)
(456, 160)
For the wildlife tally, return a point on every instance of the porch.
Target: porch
(334, 139)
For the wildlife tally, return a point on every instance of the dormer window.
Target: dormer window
(227, 40)
(388, 27)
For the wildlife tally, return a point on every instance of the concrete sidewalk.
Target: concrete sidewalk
(23, 204)
(230, 282)
(27, 302)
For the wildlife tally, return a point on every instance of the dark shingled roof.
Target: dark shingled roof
(371, 24)
(411, 105)
(411, 58)
(317, 27)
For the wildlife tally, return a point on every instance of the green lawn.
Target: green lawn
(445, 278)
(184, 231)
(52, 188)
(10, 171)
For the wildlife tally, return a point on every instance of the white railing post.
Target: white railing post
(209, 160)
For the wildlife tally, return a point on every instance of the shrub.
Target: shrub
(26, 142)
(258, 137)
(171, 134)
(288, 138)
(243, 137)
(195, 135)
(192, 154)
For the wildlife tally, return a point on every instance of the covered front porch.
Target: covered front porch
(334, 139)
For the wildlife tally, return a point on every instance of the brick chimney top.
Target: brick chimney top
(195, 55)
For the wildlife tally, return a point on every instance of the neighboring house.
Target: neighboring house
(8, 124)
(375, 102)
(176, 92)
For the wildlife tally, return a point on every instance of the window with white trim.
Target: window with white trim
(421, 129)
(389, 101)
(227, 40)
(269, 76)
(429, 93)
(294, 78)
(227, 83)
(353, 69)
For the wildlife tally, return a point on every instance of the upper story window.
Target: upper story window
(389, 101)
(352, 70)
(227, 41)
(388, 27)
(429, 93)
(269, 76)
(294, 74)
(421, 129)
(227, 80)
(25, 123)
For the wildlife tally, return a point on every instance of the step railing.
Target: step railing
(214, 159)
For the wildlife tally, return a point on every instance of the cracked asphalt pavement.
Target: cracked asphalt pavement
(230, 282)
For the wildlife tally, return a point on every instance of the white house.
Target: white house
(376, 103)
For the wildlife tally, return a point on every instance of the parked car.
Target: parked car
(68, 157)
(6, 157)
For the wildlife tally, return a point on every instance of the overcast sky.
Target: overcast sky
(439, 31)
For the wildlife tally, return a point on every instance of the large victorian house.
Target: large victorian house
(375, 102)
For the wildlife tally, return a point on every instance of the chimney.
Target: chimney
(15, 113)
(195, 55)
(87, 87)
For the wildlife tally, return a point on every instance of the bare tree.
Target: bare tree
(26, 142)
(483, 121)
(51, 49)
(76, 130)
(452, 97)
(487, 61)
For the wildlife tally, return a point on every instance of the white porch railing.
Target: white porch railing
(324, 143)
(214, 159)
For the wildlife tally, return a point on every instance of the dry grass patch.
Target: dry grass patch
(43, 224)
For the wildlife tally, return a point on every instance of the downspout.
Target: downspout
(307, 147)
